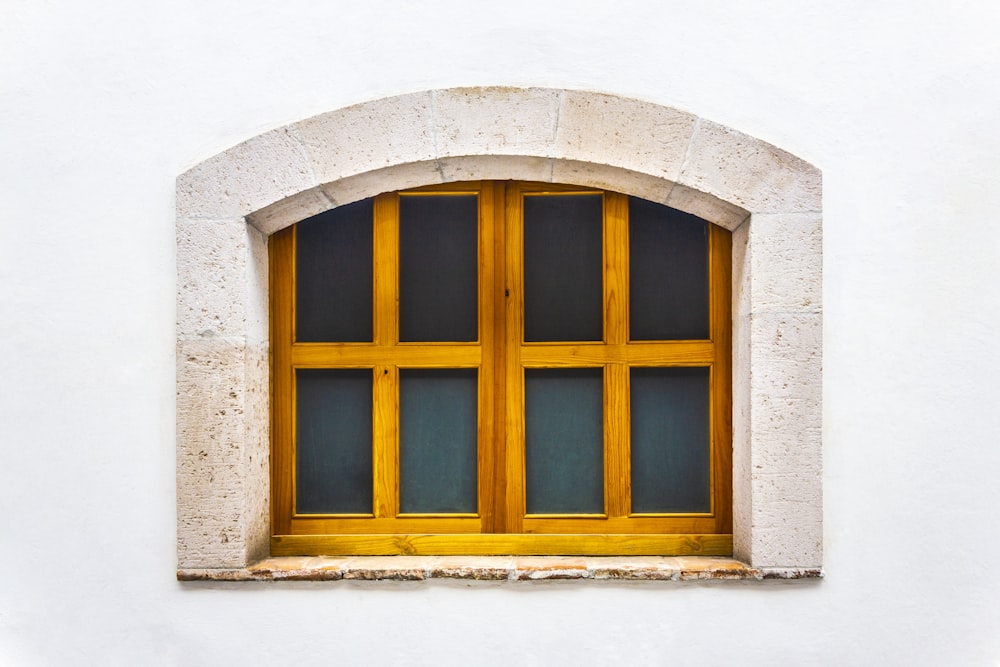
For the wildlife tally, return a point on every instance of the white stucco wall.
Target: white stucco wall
(103, 104)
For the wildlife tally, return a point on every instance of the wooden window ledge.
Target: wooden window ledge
(497, 568)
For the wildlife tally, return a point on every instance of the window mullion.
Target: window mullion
(514, 373)
(616, 375)
(385, 385)
(492, 340)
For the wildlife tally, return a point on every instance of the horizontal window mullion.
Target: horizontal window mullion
(354, 525)
(679, 353)
(444, 355)
(632, 524)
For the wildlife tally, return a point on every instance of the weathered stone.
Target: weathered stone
(749, 173)
(495, 121)
(369, 136)
(601, 129)
(245, 178)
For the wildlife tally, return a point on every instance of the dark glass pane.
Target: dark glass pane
(668, 278)
(564, 440)
(438, 268)
(333, 285)
(562, 268)
(437, 440)
(333, 450)
(670, 441)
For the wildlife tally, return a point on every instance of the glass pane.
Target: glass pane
(333, 450)
(668, 277)
(564, 440)
(562, 268)
(333, 285)
(438, 268)
(437, 440)
(670, 440)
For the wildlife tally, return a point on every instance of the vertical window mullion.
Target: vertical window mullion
(491, 371)
(617, 475)
(385, 391)
(514, 372)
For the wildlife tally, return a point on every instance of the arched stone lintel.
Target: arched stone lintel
(769, 198)
(558, 135)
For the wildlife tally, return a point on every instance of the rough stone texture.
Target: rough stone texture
(496, 167)
(777, 393)
(787, 263)
(770, 198)
(211, 281)
(211, 441)
(706, 206)
(369, 184)
(601, 129)
(599, 176)
(786, 439)
(245, 178)
(495, 121)
(749, 173)
(496, 568)
(291, 210)
(369, 136)
(742, 470)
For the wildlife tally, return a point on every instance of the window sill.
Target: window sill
(497, 568)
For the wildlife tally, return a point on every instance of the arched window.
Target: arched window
(229, 205)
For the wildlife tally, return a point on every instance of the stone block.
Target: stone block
(369, 136)
(600, 129)
(786, 262)
(787, 355)
(749, 173)
(213, 258)
(211, 445)
(245, 178)
(256, 524)
(495, 121)
(788, 524)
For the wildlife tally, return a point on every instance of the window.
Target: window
(501, 368)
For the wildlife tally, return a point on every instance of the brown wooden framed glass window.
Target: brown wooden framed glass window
(501, 368)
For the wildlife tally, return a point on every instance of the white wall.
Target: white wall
(103, 104)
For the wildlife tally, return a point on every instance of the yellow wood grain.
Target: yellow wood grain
(514, 372)
(721, 392)
(667, 353)
(500, 544)
(362, 355)
(617, 464)
(501, 356)
(281, 247)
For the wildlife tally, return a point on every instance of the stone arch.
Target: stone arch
(229, 204)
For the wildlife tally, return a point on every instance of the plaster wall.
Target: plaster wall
(103, 105)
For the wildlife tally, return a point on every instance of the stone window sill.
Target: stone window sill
(497, 568)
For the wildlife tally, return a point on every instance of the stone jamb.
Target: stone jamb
(228, 205)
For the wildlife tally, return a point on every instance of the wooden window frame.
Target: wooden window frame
(501, 355)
